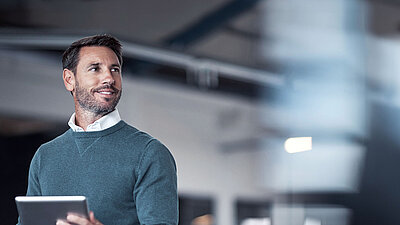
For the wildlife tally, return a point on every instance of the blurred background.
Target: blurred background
(225, 85)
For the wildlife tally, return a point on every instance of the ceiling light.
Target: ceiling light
(298, 144)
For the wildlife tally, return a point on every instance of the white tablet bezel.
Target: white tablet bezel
(37, 209)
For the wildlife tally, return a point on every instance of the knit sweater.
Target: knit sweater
(127, 176)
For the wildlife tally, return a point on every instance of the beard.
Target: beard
(88, 101)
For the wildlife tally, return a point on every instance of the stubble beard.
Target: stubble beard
(89, 103)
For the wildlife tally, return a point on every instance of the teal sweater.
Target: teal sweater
(127, 176)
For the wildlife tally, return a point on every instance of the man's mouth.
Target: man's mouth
(106, 91)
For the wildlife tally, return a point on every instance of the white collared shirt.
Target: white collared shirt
(103, 123)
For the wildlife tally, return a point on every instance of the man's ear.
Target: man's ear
(69, 79)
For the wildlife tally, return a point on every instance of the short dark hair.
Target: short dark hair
(70, 57)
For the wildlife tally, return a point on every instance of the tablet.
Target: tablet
(46, 210)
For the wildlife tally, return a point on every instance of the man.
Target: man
(127, 176)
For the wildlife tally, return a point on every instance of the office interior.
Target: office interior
(228, 86)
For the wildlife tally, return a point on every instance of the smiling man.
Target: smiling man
(127, 176)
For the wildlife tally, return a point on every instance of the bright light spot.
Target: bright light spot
(311, 221)
(256, 221)
(298, 144)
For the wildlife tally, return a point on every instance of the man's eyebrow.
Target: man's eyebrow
(97, 64)
(93, 64)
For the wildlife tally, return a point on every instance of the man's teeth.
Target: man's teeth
(105, 92)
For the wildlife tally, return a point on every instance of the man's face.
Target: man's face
(98, 82)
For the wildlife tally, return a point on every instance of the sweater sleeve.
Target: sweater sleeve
(33, 180)
(33, 177)
(155, 191)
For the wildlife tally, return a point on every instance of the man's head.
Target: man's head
(71, 55)
(92, 73)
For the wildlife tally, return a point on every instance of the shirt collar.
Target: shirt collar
(103, 123)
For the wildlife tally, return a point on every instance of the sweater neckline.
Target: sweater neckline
(93, 134)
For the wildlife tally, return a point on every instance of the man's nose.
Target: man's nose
(108, 77)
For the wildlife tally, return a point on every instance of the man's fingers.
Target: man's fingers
(82, 221)
(91, 216)
(78, 220)
(62, 222)
(93, 219)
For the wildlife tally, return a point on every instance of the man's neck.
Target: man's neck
(84, 118)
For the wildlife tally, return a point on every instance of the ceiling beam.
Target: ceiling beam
(150, 54)
(209, 23)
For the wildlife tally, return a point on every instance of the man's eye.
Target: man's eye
(93, 69)
(115, 70)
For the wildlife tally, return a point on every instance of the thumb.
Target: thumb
(91, 216)
(93, 220)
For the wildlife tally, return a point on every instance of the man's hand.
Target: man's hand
(74, 219)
